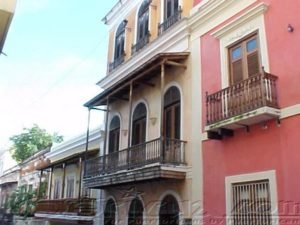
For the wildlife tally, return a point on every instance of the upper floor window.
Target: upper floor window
(171, 8)
(244, 59)
(143, 20)
(120, 41)
(70, 187)
(57, 188)
(114, 135)
(172, 14)
(139, 124)
(172, 113)
(142, 27)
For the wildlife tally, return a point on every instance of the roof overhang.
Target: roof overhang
(7, 9)
(141, 74)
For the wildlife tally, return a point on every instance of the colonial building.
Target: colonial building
(250, 106)
(66, 200)
(150, 168)
(7, 9)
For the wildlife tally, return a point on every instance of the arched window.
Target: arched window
(171, 8)
(142, 26)
(169, 211)
(172, 113)
(120, 41)
(114, 135)
(110, 213)
(135, 214)
(139, 124)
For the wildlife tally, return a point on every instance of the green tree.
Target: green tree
(22, 202)
(31, 141)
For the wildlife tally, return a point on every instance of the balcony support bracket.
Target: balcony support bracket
(214, 135)
(226, 132)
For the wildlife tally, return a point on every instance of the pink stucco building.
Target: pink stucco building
(250, 112)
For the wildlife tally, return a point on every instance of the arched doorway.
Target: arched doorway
(139, 124)
(135, 214)
(110, 213)
(114, 135)
(169, 211)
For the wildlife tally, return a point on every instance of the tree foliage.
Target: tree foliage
(22, 202)
(31, 141)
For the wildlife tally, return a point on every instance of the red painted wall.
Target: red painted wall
(274, 148)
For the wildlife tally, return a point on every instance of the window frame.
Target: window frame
(144, 20)
(173, 9)
(119, 41)
(142, 122)
(242, 43)
(250, 177)
(114, 133)
(171, 107)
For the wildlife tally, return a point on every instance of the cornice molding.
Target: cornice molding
(242, 19)
(70, 146)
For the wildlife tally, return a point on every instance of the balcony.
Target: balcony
(54, 208)
(118, 61)
(248, 102)
(140, 44)
(156, 159)
(170, 21)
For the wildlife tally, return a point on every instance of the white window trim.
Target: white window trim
(265, 175)
(72, 175)
(247, 23)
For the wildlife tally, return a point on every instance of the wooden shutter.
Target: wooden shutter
(253, 63)
(237, 71)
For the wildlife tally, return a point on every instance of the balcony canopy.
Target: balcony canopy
(142, 74)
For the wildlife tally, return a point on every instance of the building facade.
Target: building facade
(250, 112)
(67, 201)
(202, 113)
(151, 151)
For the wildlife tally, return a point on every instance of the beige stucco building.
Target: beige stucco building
(149, 170)
(67, 200)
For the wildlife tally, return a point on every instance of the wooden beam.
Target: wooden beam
(120, 98)
(145, 83)
(172, 63)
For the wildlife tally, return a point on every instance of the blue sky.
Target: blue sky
(56, 52)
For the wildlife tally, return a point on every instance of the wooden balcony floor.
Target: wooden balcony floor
(151, 172)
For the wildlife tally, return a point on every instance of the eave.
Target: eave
(143, 72)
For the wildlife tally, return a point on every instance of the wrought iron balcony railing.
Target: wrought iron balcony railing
(170, 21)
(250, 94)
(73, 206)
(140, 44)
(160, 150)
(118, 61)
